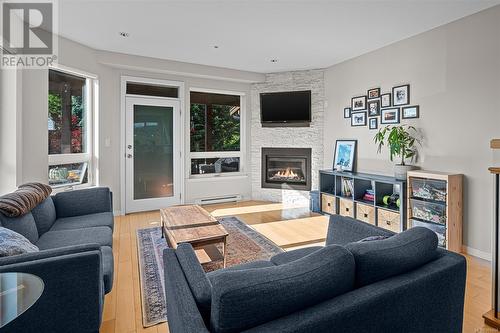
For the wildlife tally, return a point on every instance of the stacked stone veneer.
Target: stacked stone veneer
(285, 137)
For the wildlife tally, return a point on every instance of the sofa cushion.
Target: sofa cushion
(24, 199)
(44, 215)
(242, 299)
(247, 265)
(380, 259)
(343, 230)
(373, 238)
(60, 238)
(84, 221)
(12, 243)
(293, 255)
(82, 202)
(195, 275)
(24, 225)
(107, 267)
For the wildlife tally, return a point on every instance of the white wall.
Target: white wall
(109, 67)
(454, 73)
(10, 124)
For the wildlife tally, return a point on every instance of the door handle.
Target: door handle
(129, 156)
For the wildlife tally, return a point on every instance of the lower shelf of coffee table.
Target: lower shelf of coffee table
(208, 253)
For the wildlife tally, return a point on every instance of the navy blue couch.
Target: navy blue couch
(74, 232)
(403, 283)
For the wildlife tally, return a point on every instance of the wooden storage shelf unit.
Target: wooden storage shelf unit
(347, 190)
(435, 202)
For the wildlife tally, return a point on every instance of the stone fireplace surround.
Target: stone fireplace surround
(291, 137)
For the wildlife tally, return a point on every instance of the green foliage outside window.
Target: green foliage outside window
(215, 128)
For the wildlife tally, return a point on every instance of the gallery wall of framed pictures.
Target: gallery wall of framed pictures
(376, 108)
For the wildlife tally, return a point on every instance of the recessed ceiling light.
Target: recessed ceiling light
(124, 34)
(274, 60)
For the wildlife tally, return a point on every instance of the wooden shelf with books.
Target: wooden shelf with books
(371, 198)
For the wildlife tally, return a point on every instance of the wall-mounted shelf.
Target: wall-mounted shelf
(343, 193)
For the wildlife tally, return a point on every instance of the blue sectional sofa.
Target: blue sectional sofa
(74, 232)
(402, 283)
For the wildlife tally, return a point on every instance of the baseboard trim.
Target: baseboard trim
(118, 213)
(476, 253)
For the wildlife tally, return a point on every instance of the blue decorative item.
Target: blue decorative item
(345, 155)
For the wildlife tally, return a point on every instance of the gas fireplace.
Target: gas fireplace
(286, 168)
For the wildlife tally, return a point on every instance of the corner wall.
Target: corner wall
(283, 137)
(454, 73)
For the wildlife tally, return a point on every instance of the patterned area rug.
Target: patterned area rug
(244, 244)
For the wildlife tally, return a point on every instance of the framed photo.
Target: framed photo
(358, 119)
(385, 100)
(344, 156)
(347, 112)
(373, 93)
(401, 95)
(358, 103)
(389, 116)
(410, 112)
(373, 108)
(373, 123)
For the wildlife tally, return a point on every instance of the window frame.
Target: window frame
(241, 154)
(90, 157)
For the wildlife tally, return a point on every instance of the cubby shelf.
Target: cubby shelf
(375, 212)
(435, 202)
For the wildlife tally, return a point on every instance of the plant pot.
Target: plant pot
(400, 171)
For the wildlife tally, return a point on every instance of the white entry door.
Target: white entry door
(152, 153)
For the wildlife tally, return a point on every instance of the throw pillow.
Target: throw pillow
(373, 238)
(12, 243)
(24, 199)
(398, 254)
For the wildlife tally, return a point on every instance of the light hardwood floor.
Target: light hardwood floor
(289, 227)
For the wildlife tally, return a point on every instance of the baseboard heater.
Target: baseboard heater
(221, 199)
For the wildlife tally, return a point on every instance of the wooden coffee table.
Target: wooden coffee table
(194, 225)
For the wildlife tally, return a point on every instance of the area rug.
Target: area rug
(244, 244)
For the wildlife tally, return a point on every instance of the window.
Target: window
(151, 90)
(215, 133)
(69, 129)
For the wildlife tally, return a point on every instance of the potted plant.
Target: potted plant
(402, 141)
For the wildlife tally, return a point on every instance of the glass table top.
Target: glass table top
(18, 292)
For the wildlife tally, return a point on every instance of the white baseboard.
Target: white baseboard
(118, 213)
(476, 253)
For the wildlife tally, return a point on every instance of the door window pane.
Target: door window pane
(153, 152)
(201, 166)
(67, 118)
(215, 122)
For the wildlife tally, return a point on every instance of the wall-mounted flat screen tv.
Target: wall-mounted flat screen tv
(290, 108)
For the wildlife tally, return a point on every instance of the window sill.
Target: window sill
(65, 188)
(216, 177)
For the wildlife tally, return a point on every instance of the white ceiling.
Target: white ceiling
(300, 34)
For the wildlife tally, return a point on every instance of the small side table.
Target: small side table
(18, 292)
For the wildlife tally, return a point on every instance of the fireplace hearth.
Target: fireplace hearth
(286, 168)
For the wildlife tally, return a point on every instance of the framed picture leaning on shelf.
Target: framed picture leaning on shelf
(344, 157)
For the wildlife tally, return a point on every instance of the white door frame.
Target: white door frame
(123, 105)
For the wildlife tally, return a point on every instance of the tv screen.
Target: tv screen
(286, 107)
